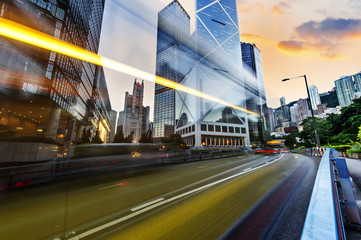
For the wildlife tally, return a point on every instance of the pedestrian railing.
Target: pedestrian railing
(332, 204)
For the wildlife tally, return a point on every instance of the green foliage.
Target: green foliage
(308, 134)
(174, 141)
(341, 148)
(96, 138)
(301, 147)
(119, 137)
(331, 99)
(85, 137)
(350, 151)
(146, 137)
(291, 141)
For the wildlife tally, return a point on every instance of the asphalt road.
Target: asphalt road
(197, 200)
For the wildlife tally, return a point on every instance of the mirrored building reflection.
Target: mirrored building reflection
(48, 94)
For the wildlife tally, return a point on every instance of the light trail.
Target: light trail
(30, 36)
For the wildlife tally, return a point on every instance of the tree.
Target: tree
(119, 137)
(291, 141)
(96, 138)
(308, 132)
(146, 137)
(174, 141)
(129, 138)
(85, 137)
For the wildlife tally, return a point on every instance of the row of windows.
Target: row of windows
(224, 129)
(189, 129)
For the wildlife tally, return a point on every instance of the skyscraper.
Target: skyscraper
(357, 80)
(255, 92)
(217, 72)
(295, 113)
(173, 31)
(285, 109)
(113, 125)
(135, 115)
(55, 95)
(315, 97)
(303, 108)
(345, 89)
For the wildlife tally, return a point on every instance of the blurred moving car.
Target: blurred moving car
(266, 150)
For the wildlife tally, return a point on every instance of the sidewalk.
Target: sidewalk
(354, 168)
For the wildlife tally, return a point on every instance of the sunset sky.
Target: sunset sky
(318, 38)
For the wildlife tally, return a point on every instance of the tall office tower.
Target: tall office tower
(295, 113)
(285, 110)
(345, 89)
(135, 114)
(173, 31)
(54, 95)
(255, 92)
(279, 116)
(120, 121)
(303, 108)
(113, 125)
(217, 73)
(315, 97)
(357, 80)
(270, 118)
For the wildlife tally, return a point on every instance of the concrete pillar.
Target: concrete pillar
(53, 122)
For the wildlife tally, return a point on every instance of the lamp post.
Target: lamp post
(310, 106)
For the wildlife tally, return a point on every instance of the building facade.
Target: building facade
(217, 72)
(285, 110)
(303, 106)
(255, 92)
(54, 95)
(345, 89)
(295, 113)
(113, 125)
(173, 31)
(135, 117)
(315, 97)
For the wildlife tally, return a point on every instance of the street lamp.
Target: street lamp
(310, 105)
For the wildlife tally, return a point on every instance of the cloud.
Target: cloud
(250, 38)
(330, 28)
(277, 10)
(322, 39)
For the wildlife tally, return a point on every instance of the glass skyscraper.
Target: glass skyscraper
(173, 31)
(255, 91)
(345, 89)
(315, 97)
(216, 72)
(54, 94)
(357, 80)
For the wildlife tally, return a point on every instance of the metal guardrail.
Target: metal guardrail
(326, 216)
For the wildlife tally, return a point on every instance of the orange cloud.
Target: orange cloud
(250, 38)
(277, 10)
(307, 49)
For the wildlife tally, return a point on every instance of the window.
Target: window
(203, 127)
(210, 128)
(231, 129)
(237, 130)
(218, 128)
(224, 129)
(243, 130)
(193, 128)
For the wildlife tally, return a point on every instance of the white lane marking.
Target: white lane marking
(146, 204)
(245, 170)
(146, 209)
(266, 157)
(296, 157)
(115, 185)
(202, 167)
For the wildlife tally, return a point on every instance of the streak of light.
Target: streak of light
(30, 36)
